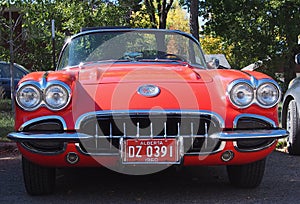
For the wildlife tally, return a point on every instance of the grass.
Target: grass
(6, 119)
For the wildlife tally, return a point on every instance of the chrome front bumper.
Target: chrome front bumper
(194, 128)
(75, 137)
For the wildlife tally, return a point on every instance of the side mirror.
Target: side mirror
(214, 63)
(297, 58)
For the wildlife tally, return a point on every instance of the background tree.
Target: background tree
(160, 8)
(256, 29)
(142, 18)
(194, 15)
(192, 7)
(215, 45)
(163, 8)
(130, 6)
(177, 18)
(11, 38)
(35, 52)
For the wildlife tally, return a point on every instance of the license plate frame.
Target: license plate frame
(151, 151)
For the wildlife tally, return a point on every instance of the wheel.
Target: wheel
(293, 126)
(247, 175)
(38, 180)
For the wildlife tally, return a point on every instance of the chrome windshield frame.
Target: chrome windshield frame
(142, 30)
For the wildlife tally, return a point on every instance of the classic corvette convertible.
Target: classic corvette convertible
(138, 101)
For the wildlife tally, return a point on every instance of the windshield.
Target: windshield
(131, 46)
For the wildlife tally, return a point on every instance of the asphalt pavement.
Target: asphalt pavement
(281, 184)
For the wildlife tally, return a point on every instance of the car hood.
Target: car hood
(169, 73)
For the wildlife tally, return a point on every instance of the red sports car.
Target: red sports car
(138, 101)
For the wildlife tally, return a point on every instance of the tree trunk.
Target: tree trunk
(163, 10)
(194, 22)
(11, 53)
(151, 11)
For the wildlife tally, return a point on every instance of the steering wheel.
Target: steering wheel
(174, 57)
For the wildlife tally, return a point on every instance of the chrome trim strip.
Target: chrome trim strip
(251, 134)
(252, 150)
(124, 113)
(235, 121)
(43, 81)
(65, 137)
(227, 135)
(40, 119)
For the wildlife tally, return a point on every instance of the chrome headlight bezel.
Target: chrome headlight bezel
(241, 94)
(272, 89)
(63, 89)
(38, 94)
(43, 90)
(258, 87)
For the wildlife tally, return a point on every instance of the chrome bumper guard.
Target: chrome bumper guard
(75, 137)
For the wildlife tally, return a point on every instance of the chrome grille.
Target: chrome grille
(107, 129)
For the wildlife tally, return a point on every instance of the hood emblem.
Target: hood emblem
(148, 90)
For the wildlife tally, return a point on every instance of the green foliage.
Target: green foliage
(215, 45)
(3, 54)
(35, 46)
(256, 29)
(141, 19)
(177, 18)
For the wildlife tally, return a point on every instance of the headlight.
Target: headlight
(267, 95)
(241, 94)
(56, 97)
(29, 97)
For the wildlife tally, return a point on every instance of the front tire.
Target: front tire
(246, 175)
(293, 126)
(38, 180)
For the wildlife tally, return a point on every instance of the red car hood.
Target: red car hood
(103, 74)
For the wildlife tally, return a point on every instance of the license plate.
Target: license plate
(150, 151)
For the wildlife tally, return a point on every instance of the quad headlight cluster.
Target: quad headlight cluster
(243, 93)
(31, 95)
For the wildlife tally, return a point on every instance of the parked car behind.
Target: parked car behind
(5, 77)
(290, 113)
(139, 100)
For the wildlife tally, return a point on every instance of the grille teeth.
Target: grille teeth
(107, 131)
(145, 127)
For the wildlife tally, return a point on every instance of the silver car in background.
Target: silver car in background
(291, 113)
